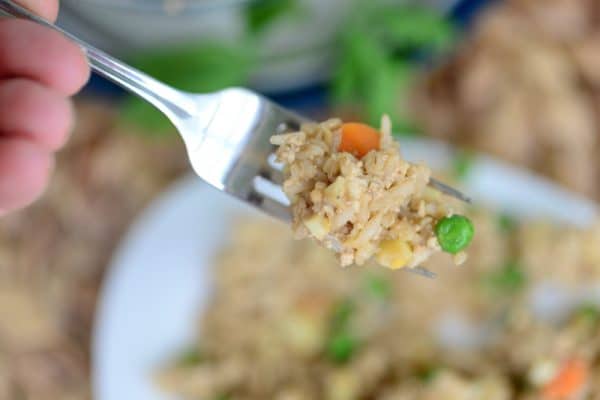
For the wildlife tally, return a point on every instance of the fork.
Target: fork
(226, 133)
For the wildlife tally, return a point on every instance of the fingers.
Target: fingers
(47, 9)
(32, 51)
(24, 171)
(32, 111)
(39, 69)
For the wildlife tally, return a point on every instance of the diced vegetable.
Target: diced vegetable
(429, 374)
(342, 384)
(589, 311)
(342, 343)
(359, 139)
(304, 334)
(454, 233)
(378, 286)
(568, 382)
(507, 280)
(337, 189)
(342, 314)
(542, 372)
(318, 226)
(506, 223)
(462, 165)
(190, 358)
(394, 254)
(342, 347)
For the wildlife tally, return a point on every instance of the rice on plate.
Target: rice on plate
(285, 323)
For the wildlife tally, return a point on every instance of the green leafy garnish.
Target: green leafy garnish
(223, 397)
(190, 358)
(589, 311)
(193, 68)
(341, 315)
(428, 374)
(506, 223)
(378, 58)
(341, 347)
(462, 164)
(509, 279)
(262, 13)
(204, 67)
(145, 116)
(342, 343)
(378, 286)
(415, 28)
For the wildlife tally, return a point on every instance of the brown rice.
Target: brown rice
(379, 205)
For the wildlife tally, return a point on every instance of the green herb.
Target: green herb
(341, 344)
(454, 233)
(428, 374)
(190, 358)
(415, 28)
(589, 311)
(197, 68)
(378, 286)
(341, 347)
(223, 397)
(462, 164)
(377, 59)
(262, 13)
(509, 279)
(342, 314)
(378, 52)
(506, 223)
(205, 67)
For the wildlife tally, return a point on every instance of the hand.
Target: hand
(39, 70)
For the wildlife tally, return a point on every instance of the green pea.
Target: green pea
(341, 347)
(454, 233)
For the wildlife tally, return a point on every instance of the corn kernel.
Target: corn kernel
(318, 226)
(394, 254)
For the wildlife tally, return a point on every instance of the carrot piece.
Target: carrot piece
(359, 139)
(569, 381)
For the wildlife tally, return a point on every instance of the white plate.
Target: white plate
(160, 276)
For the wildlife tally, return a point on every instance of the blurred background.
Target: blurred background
(518, 79)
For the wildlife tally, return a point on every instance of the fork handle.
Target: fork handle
(171, 102)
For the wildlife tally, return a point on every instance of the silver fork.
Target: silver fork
(226, 133)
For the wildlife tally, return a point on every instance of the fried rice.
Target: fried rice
(378, 205)
(283, 326)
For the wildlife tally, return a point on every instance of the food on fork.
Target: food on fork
(352, 192)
